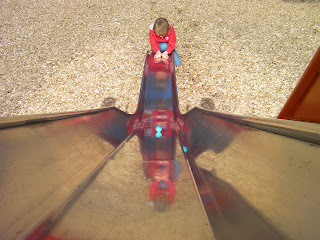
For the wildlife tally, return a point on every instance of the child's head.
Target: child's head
(161, 203)
(161, 26)
(161, 200)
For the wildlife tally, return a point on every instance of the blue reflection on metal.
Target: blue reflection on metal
(185, 149)
(158, 135)
(158, 128)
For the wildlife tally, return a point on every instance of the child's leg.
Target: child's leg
(163, 46)
(177, 60)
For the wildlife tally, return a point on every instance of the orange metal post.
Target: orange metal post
(304, 102)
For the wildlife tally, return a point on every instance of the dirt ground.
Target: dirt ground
(243, 57)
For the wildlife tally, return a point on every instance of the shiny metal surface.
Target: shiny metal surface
(116, 205)
(158, 174)
(42, 164)
(255, 184)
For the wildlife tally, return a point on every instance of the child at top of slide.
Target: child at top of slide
(163, 40)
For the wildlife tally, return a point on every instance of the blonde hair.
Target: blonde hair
(161, 26)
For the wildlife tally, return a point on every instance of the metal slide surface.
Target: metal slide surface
(158, 174)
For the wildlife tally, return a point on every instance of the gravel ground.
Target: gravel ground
(240, 57)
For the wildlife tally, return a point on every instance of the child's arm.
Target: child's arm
(172, 40)
(153, 42)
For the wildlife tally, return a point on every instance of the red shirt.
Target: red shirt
(169, 38)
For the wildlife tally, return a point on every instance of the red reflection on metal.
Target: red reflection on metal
(110, 125)
(154, 124)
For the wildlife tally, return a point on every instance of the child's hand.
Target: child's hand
(157, 60)
(165, 55)
(158, 54)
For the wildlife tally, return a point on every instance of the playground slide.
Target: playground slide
(158, 174)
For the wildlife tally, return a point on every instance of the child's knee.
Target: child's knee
(163, 46)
